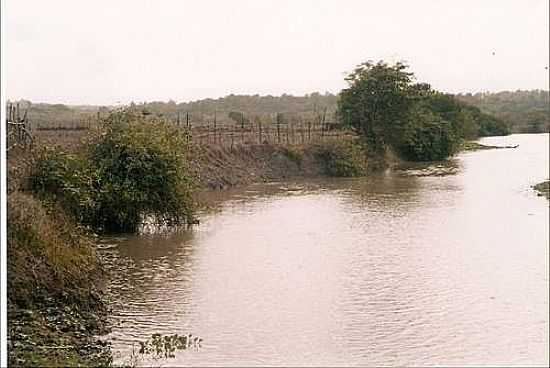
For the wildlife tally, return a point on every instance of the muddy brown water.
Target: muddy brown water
(401, 268)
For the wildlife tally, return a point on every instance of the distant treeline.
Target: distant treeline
(524, 111)
(253, 104)
(59, 116)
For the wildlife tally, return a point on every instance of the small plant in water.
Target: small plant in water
(164, 347)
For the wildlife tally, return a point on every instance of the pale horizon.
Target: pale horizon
(104, 53)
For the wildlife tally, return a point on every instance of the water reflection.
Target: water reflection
(394, 269)
(149, 276)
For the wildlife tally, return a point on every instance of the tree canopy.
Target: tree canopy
(388, 109)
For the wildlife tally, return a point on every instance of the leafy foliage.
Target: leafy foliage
(389, 110)
(468, 120)
(142, 170)
(342, 159)
(133, 169)
(66, 179)
(377, 102)
(428, 138)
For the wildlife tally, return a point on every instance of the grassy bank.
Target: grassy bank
(54, 289)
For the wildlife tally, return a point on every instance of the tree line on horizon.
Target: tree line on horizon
(522, 111)
(525, 111)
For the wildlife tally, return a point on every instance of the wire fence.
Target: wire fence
(227, 133)
(18, 128)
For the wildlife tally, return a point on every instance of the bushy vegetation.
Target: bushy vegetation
(523, 111)
(388, 110)
(428, 137)
(519, 111)
(135, 168)
(543, 189)
(468, 120)
(342, 158)
(295, 154)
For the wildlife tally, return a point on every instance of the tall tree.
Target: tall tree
(378, 101)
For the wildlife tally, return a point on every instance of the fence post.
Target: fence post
(278, 117)
(188, 124)
(232, 130)
(242, 128)
(259, 132)
(287, 135)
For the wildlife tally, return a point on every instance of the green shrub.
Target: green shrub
(342, 159)
(133, 170)
(427, 138)
(67, 179)
(294, 154)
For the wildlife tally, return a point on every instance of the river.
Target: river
(400, 268)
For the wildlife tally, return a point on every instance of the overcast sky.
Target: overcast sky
(101, 52)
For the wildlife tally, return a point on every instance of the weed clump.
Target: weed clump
(294, 154)
(342, 159)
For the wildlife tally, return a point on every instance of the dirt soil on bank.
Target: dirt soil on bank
(220, 168)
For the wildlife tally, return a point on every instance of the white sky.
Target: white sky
(101, 52)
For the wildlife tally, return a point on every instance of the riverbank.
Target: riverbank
(337, 245)
(218, 168)
(55, 303)
(543, 189)
(56, 307)
(475, 146)
(57, 326)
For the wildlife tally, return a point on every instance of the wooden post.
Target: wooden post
(242, 127)
(188, 124)
(287, 134)
(278, 128)
(215, 129)
(259, 131)
(323, 123)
